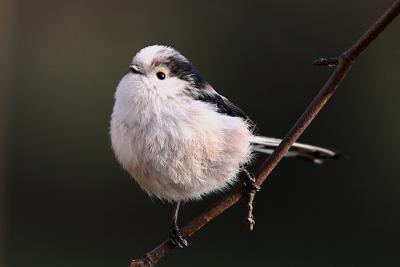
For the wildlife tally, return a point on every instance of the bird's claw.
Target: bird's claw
(250, 181)
(176, 237)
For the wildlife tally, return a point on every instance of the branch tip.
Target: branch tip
(329, 62)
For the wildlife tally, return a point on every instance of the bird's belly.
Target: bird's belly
(185, 161)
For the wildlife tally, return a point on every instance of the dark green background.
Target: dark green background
(66, 202)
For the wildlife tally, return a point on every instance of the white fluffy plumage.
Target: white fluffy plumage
(176, 136)
(175, 147)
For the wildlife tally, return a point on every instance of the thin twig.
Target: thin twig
(252, 188)
(345, 61)
(250, 216)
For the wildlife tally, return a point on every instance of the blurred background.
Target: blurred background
(65, 201)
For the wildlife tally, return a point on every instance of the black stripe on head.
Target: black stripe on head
(179, 67)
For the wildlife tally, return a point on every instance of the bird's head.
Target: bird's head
(162, 71)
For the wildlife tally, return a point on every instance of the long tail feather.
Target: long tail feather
(308, 152)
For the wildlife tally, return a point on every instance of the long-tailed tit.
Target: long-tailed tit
(178, 138)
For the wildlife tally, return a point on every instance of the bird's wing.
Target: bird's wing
(260, 143)
(223, 104)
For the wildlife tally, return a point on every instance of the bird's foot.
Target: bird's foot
(176, 237)
(250, 181)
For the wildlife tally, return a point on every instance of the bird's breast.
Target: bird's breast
(180, 151)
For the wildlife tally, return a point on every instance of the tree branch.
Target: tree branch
(344, 62)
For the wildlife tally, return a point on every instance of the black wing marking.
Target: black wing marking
(224, 105)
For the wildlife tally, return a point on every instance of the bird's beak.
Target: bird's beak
(135, 69)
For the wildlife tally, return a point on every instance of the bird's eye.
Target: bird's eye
(160, 75)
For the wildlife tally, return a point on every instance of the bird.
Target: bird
(179, 138)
